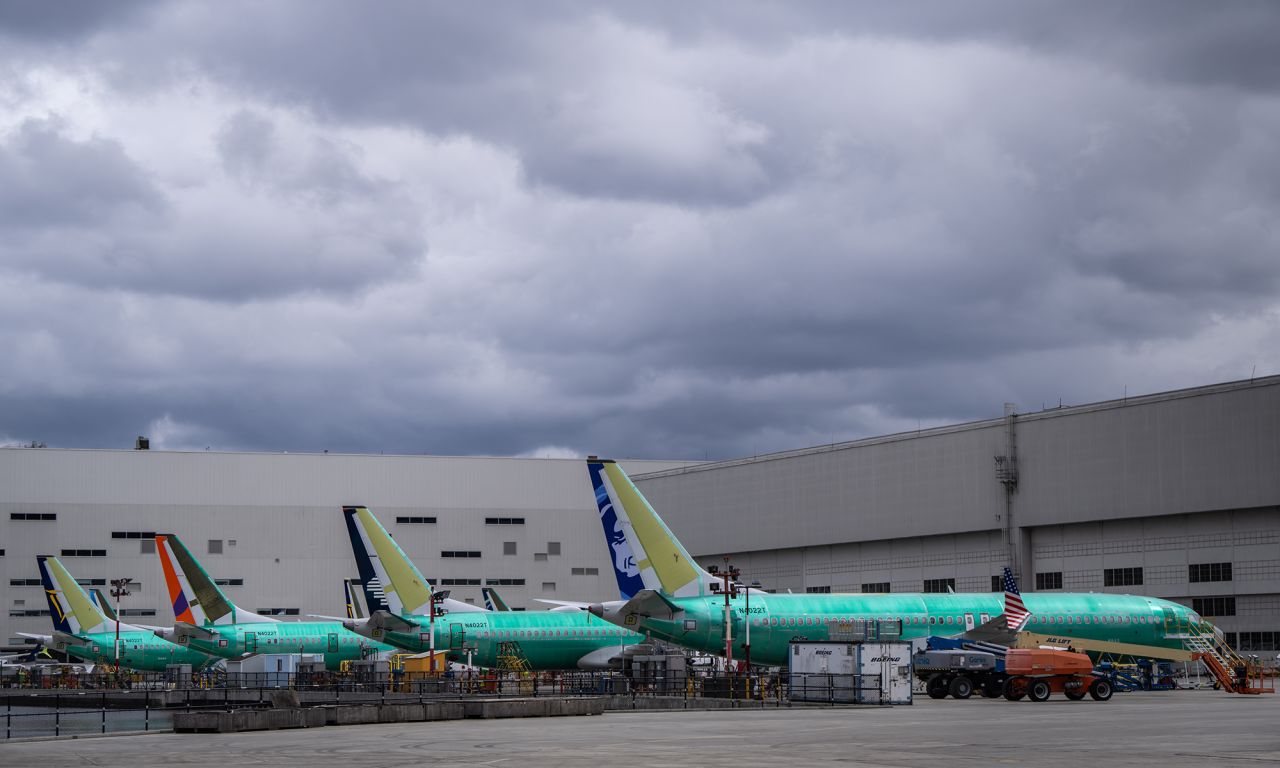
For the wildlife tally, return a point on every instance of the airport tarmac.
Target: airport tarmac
(1167, 729)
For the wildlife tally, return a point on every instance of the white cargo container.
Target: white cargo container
(268, 670)
(861, 673)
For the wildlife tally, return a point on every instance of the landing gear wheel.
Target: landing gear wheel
(1015, 688)
(936, 687)
(1039, 690)
(1100, 690)
(961, 687)
(993, 689)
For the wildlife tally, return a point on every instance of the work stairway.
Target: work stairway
(1225, 664)
(511, 657)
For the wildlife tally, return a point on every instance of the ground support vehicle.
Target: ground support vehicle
(960, 673)
(1036, 674)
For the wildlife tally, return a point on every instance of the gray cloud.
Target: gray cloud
(51, 181)
(84, 212)
(65, 21)
(654, 230)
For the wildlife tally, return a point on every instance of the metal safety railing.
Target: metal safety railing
(74, 704)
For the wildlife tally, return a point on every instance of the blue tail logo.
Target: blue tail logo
(60, 622)
(375, 599)
(624, 562)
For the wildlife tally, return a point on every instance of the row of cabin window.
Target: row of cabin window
(809, 621)
(538, 634)
(1111, 577)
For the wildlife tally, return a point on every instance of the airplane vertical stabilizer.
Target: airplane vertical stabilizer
(370, 583)
(624, 561)
(662, 561)
(403, 587)
(196, 599)
(492, 600)
(103, 603)
(71, 608)
(351, 591)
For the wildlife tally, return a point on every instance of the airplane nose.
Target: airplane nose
(596, 609)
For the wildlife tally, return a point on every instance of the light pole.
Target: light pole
(119, 588)
(730, 576)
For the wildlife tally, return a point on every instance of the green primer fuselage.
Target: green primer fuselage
(140, 650)
(334, 641)
(1121, 625)
(546, 639)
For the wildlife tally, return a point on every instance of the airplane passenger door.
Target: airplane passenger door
(968, 622)
(333, 642)
(457, 637)
(250, 642)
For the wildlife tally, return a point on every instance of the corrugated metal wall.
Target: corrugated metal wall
(278, 518)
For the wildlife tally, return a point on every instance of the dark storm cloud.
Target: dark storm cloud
(67, 20)
(82, 211)
(656, 229)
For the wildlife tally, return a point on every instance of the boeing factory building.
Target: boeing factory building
(1174, 495)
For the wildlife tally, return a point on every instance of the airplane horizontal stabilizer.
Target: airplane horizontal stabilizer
(183, 630)
(651, 603)
(564, 604)
(995, 631)
(386, 620)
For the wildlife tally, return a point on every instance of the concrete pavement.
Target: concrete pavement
(1184, 728)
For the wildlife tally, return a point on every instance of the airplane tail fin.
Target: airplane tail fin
(663, 564)
(355, 600)
(375, 598)
(1015, 611)
(72, 610)
(492, 600)
(624, 561)
(103, 604)
(195, 597)
(404, 589)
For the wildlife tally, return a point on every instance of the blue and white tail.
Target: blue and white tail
(664, 565)
(624, 561)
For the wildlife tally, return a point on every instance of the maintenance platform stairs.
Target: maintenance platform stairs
(511, 657)
(1234, 673)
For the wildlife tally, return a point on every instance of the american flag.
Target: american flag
(1015, 611)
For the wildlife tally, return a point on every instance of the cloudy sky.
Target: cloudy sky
(645, 229)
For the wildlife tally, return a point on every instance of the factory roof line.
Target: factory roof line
(318, 454)
(1046, 413)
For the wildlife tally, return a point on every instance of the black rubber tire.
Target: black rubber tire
(1039, 690)
(1100, 690)
(1015, 688)
(961, 687)
(1074, 694)
(936, 687)
(993, 689)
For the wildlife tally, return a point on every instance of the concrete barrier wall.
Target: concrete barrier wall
(315, 717)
